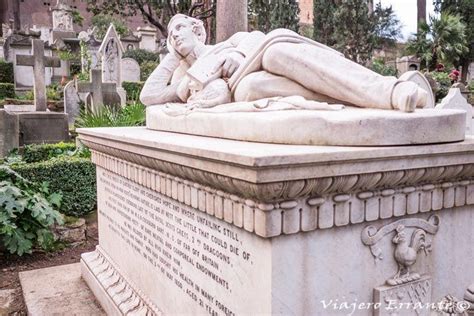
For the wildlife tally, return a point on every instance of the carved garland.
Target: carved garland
(305, 213)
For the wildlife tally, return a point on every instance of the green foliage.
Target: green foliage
(464, 9)
(37, 153)
(285, 14)
(107, 116)
(26, 213)
(6, 72)
(146, 69)
(102, 23)
(347, 26)
(442, 40)
(379, 66)
(77, 17)
(443, 83)
(71, 176)
(133, 89)
(7, 90)
(54, 92)
(157, 12)
(266, 15)
(142, 55)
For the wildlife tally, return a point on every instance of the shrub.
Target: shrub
(133, 89)
(379, 66)
(6, 72)
(26, 213)
(37, 153)
(107, 116)
(142, 55)
(73, 177)
(443, 82)
(146, 69)
(7, 90)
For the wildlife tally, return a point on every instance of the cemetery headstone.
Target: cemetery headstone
(96, 89)
(72, 102)
(9, 132)
(456, 101)
(38, 61)
(147, 37)
(130, 70)
(111, 51)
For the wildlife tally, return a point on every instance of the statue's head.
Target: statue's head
(184, 33)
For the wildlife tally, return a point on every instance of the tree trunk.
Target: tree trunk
(421, 12)
(231, 18)
(465, 68)
(370, 6)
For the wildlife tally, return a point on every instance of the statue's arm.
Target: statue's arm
(157, 88)
(245, 42)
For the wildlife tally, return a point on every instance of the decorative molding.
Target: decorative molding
(127, 299)
(339, 203)
(406, 251)
(450, 305)
(294, 189)
(469, 297)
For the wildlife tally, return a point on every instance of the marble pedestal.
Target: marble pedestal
(190, 225)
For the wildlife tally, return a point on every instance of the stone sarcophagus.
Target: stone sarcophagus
(192, 225)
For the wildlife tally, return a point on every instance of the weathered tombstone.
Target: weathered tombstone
(462, 88)
(455, 100)
(408, 63)
(96, 89)
(38, 61)
(9, 132)
(130, 70)
(111, 51)
(72, 102)
(418, 78)
(147, 37)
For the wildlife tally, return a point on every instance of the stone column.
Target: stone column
(231, 18)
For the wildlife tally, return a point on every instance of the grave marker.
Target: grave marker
(96, 88)
(38, 61)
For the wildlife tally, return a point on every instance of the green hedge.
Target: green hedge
(73, 177)
(142, 55)
(6, 72)
(37, 153)
(133, 89)
(7, 90)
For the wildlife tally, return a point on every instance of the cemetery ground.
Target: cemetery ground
(11, 296)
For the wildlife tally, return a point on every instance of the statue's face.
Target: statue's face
(182, 37)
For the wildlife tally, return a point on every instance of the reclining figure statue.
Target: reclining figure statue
(254, 66)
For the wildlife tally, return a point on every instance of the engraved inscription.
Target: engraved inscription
(184, 245)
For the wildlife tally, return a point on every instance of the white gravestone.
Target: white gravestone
(130, 70)
(110, 52)
(455, 100)
(72, 102)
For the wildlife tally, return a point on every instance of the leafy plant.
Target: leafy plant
(379, 66)
(146, 69)
(142, 55)
(102, 23)
(443, 83)
(54, 93)
(108, 116)
(26, 213)
(442, 40)
(133, 89)
(72, 176)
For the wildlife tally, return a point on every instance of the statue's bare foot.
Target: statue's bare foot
(405, 96)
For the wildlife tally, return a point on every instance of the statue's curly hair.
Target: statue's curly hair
(198, 29)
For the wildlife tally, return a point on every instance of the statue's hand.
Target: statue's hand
(183, 89)
(230, 63)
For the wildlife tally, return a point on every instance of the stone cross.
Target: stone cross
(96, 88)
(38, 61)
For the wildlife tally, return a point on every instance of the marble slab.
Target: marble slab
(348, 127)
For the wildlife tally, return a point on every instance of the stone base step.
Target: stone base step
(58, 290)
